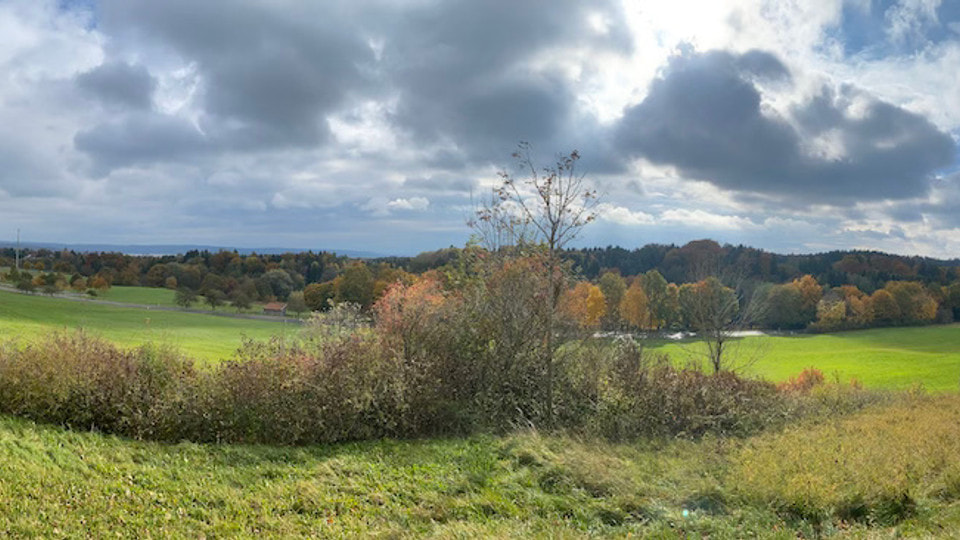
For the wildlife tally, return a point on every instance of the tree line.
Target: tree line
(649, 302)
(826, 291)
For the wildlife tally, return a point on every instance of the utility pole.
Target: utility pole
(18, 249)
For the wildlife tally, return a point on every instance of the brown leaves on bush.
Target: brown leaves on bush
(803, 383)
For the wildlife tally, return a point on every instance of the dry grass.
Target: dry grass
(877, 467)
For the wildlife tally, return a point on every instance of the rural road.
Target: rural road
(154, 307)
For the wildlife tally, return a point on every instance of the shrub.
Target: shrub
(624, 393)
(361, 386)
(804, 382)
(272, 392)
(79, 381)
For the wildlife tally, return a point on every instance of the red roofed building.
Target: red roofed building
(275, 308)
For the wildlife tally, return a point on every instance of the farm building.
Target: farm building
(275, 308)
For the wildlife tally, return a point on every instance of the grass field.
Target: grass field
(205, 337)
(154, 296)
(58, 483)
(139, 295)
(878, 358)
(165, 297)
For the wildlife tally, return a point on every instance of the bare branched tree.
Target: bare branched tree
(555, 201)
(546, 207)
(718, 314)
(497, 225)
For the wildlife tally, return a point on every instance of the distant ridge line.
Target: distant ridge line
(178, 249)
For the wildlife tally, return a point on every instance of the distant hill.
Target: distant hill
(868, 270)
(175, 249)
(692, 261)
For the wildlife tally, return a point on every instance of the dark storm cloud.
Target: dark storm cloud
(906, 213)
(458, 72)
(463, 71)
(893, 232)
(761, 64)
(119, 84)
(942, 210)
(269, 76)
(140, 139)
(946, 209)
(705, 116)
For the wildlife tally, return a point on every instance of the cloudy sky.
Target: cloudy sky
(790, 125)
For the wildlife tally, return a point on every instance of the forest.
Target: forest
(614, 289)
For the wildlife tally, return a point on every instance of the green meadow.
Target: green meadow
(152, 296)
(205, 337)
(899, 477)
(895, 358)
(139, 295)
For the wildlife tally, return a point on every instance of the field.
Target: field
(139, 295)
(205, 337)
(878, 358)
(897, 473)
(895, 358)
(57, 483)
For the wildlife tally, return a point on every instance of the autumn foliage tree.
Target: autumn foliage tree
(407, 312)
(662, 298)
(843, 308)
(317, 296)
(584, 304)
(635, 307)
(810, 294)
(783, 307)
(915, 303)
(99, 283)
(884, 308)
(613, 287)
(356, 285)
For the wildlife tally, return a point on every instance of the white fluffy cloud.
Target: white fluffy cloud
(623, 216)
(701, 219)
(413, 203)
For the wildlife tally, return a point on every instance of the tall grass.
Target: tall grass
(873, 467)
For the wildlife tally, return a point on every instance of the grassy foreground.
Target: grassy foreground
(201, 336)
(895, 358)
(57, 483)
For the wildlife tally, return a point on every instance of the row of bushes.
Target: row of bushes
(358, 387)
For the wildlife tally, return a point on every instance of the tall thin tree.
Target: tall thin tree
(546, 206)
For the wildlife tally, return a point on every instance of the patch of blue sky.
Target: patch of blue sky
(864, 31)
(86, 7)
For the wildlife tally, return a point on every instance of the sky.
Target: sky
(378, 125)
